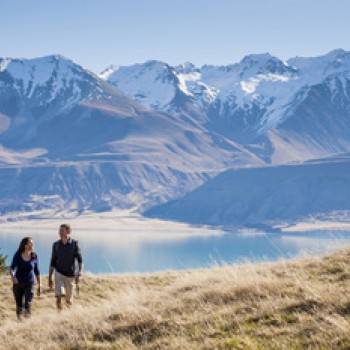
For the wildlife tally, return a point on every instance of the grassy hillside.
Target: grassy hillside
(303, 304)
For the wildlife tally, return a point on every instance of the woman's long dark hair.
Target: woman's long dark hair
(23, 244)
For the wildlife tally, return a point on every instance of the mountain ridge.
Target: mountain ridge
(98, 151)
(249, 100)
(270, 195)
(70, 139)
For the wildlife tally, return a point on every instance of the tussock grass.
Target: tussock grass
(301, 304)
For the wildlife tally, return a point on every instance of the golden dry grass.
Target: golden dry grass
(302, 304)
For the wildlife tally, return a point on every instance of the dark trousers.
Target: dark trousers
(23, 293)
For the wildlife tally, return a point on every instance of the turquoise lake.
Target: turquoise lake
(140, 251)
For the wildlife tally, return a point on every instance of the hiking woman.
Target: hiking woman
(24, 270)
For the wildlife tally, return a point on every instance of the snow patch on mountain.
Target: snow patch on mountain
(8, 156)
(190, 84)
(4, 123)
(105, 75)
(4, 62)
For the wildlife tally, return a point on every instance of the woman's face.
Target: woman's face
(29, 245)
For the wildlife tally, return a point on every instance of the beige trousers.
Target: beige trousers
(64, 286)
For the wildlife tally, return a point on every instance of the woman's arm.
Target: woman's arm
(13, 277)
(13, 267)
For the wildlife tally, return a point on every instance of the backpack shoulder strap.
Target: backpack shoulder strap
(75, 245)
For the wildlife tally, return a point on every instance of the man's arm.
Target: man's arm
(50, 277)
(39, 283)
(52, 266)
(80, 262)
(37, 276)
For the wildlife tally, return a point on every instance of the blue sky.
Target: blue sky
(97, 33)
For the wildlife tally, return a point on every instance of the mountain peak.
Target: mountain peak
(57, 80)
(49, 59)
(152, 83)
(336, 53)
(258, 57)
(152, 64)
(186, 67)
(334, 61)
(262, 64)
(46, 65)
(57, 57)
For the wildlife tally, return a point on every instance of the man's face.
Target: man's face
(63, 233)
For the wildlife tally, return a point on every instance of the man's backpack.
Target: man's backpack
(74, 242)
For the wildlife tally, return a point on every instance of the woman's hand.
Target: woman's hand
(13, 277)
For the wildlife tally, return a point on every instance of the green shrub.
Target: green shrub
(3, 267)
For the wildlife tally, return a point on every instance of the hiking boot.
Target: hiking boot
(19, 313)
(27, 313)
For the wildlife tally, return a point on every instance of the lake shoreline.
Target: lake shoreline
(122, 243)
(119, 219)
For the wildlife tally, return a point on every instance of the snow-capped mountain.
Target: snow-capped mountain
(34, 91)
(69, 140)
(136, 137)
(49, 79)
(253, 102)
(158, 81)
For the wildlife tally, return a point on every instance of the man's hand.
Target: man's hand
(50, 283)
(77, 278)
(39, 290)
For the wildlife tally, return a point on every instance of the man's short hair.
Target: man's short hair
(66, 226)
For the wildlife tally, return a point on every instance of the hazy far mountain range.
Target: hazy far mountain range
(138, 137)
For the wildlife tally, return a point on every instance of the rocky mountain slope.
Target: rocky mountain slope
(272, 194)
(71, 141)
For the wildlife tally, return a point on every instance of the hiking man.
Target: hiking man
(65, 254)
